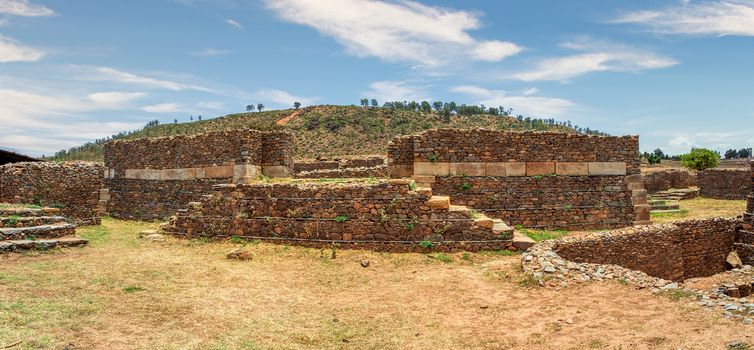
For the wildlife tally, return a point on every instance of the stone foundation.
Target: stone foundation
(664, 180)
(724, 183)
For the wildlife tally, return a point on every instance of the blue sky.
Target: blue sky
(677, 73)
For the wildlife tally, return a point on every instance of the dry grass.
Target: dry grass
(124, 293)
(702, 208)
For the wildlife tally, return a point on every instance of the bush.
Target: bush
(700, 159)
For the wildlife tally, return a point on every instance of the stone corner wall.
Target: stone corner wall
(72, 186)
(724, 183)
(151, 178)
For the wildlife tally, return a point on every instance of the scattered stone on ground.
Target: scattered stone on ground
(152, 235)
(365, 263)
(239, 254)
(733, 260)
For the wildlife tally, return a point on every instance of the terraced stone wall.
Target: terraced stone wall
(676, 251)
(382, 216)
(664, 180)
(73, 187)
(724, 183)
(150, 179)
(341, 168)
(534, 179)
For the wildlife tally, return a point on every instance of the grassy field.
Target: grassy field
(702, 208)
(122, 292)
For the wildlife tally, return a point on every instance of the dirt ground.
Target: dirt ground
(122, 292)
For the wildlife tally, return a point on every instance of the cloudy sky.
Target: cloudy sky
(678, 73)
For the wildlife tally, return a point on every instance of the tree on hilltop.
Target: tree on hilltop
(260, 107)
(364, 102)
(296, 105)
(250, 108)
(374, 103)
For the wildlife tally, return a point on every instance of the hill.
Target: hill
(328, 131)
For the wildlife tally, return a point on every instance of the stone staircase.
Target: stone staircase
(28, 229)
(424, 186)
(675, 194)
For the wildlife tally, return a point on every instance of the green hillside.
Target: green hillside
(330, 130)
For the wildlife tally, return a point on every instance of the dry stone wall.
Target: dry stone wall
(150, 179)
(382, 216)
(724, 183)
(666, 179)
(73, 187)
(345, 168)
(534, 179)
(676, 251)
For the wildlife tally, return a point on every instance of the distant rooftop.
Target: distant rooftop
(13, 157)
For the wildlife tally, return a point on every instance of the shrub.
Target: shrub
(465, 187)
(425, 244)
(700, 159)
(341, 218)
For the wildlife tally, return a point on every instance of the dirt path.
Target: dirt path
(285, 120)
(126, 293)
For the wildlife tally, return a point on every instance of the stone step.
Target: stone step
(439, 202)
(522, 241)
(665, 207)
(667, 211)
(20, 211)
(460, 209)
(425, 191)
(502, 229)
(40, 244)
(41, 231)
(30, 221)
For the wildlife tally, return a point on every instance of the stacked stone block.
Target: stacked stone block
(345, 168)
(676, 251)
(73, 187)
(724, 183)
(383, 216)
(535, 179)
(666, 179)
(150, 179)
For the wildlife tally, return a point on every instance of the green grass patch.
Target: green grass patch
(543, 235)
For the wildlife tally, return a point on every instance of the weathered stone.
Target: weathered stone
(468, 169)
(607, 168)
(733, 260)
(572, 168)
(495, 169)
(429, 168)
(540, 168)
(239, 254)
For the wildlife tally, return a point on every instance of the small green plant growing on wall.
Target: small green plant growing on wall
(433, 157)
(425, 244)
(568, 207)
(12, 220)
(341, 218)
(465, 187)
(412, 186)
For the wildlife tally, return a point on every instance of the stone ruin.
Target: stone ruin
(661, 257)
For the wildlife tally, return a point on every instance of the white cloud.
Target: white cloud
(522, 104)
(115, 98)
(234, 23)
(391, 91)
(396, 31)
(111, 74)
(24, 8)
(210, 105)
(12, 51)
(209, 52)
(700, 18)
(163, 108)
(280, 97)
(529, 91)
(597, 57)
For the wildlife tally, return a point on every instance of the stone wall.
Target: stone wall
(666, 179)
(750, 202)
(534, 179)
(569, 202)
(150, 179)
(724, 183)
(382, 215)
(676, 251)
(73, 187)
(341, 168)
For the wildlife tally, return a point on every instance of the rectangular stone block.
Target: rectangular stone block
(276, 170)
(218, 172)
(494, 169)
(607, 168)
(635, 185)
(397, 171)
(245, 173)
(540, 168)
(177, 174)
(468, 169)
(641, 212)
(104, 195)
(143, 174)
(200, 174)
(515, 169)
(429, 168)
(572, 168)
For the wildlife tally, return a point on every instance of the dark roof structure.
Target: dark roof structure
(13, 157)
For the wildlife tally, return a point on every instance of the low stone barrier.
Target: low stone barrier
(724, 183)
(73, 187)
(666, 179)
(382, 216)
